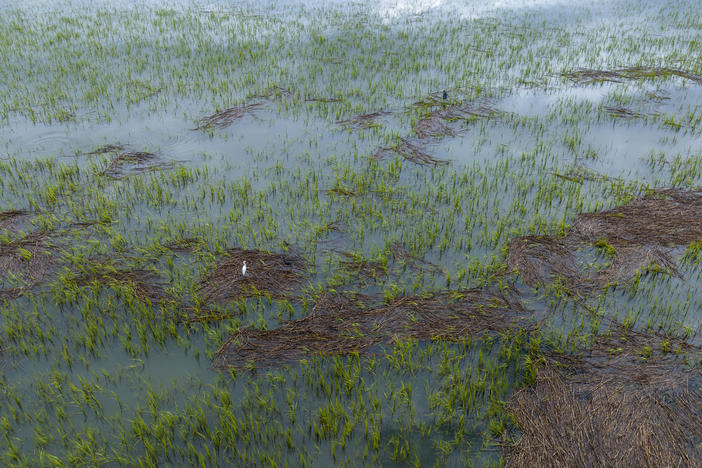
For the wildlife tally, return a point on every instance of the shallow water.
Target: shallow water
(93, 375)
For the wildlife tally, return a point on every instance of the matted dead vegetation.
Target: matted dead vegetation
(110, 148)
(344, 323)
(663, 218)
(322, 99)
(273, 274)
(144, 284)
(26, 262)
(12, 220)
(362, 267)
(134, 162)
(579, 175)
(640, 234)
(436, 98)
(186, 244)
(622, 112)
(341, 191)
(363, 122)
(9, 215)
(401, 254)
(435, 124)
(9, 294)
(411, 152)
(540, 259)
(589, 75)
(631, 400)
(225, 118)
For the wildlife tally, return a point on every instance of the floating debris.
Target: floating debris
(400, 253)
(540, 259)
(435, 124)
(356, 264)
(134, 162)
(410, 152)
(274, 92)
(12, 220)
(363, 122)
(622, 112)
(145, 284)
(587, 75)
(631, 400)
(108, 149)
(272, 274)
(226, 117)
(639, 234)
(342, 192)
(26, 262)
(322, 99)
(663, 218)
(345, 323)
(185, 244)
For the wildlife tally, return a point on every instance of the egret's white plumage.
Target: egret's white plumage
(243, 269)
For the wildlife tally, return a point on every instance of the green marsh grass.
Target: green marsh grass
(113, 212)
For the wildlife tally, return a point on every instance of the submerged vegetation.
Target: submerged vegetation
(472, 234)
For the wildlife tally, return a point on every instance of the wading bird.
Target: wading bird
(243, 269)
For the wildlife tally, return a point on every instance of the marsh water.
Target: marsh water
(94, 374)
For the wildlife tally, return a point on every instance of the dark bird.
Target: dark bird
(445, 96)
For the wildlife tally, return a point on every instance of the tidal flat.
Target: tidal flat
(472, 233)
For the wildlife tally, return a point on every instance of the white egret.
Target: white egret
(243, 269)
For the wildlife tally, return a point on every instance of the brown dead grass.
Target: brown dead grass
(12, 220)
(28, 260)
(134, 162)
(401, 254)
(588, 75)
(625, 402)
(663, 218)
(272, 274)
(225, 118)
(110, 148)
(144, 284)
(622, 112)
(343, 323)
(435, 123)
(363, 122)
(641, 233)
(186, 244)
(411, 152)
(356, 264)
